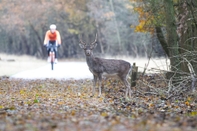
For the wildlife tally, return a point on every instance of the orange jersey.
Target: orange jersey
(52, 36)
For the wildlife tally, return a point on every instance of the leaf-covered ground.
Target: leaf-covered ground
(59, 105)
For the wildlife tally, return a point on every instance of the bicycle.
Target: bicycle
(52, 49)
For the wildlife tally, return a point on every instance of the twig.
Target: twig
(193, 75)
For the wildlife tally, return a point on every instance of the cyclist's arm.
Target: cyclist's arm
(58, 38)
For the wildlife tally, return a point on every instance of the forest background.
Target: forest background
(134, 28)
(23, 25)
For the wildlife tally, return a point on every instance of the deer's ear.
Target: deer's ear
(82, 46)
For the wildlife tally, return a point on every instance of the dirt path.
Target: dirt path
(62, 70)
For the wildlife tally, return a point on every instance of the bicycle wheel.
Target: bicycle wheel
(52, 55)
(52, 65)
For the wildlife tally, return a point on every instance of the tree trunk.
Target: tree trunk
(99, 40)
(172, 38)
(187, 30)
(162, 40)
(116, 27)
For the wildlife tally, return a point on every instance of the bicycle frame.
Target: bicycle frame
(52, 49)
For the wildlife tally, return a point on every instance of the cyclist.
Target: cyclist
(53, 37)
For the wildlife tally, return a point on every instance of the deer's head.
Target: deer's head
(88, 47)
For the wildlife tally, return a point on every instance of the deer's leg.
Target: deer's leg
(100, 84)
(94, 85)
(127, 85)
(129, 88)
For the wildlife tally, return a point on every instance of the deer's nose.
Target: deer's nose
(88, 52)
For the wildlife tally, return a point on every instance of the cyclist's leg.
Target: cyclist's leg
(48, 51)
(56, 55)
(54, 45)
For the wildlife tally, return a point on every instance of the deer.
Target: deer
(101, 67)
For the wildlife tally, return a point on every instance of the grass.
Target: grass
(20, 63)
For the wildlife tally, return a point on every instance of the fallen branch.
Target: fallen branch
(193, 75)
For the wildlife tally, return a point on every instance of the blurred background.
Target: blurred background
(23, 25)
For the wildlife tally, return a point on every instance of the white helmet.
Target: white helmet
(52, 27)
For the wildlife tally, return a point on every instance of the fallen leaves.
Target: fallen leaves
(66, 105)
